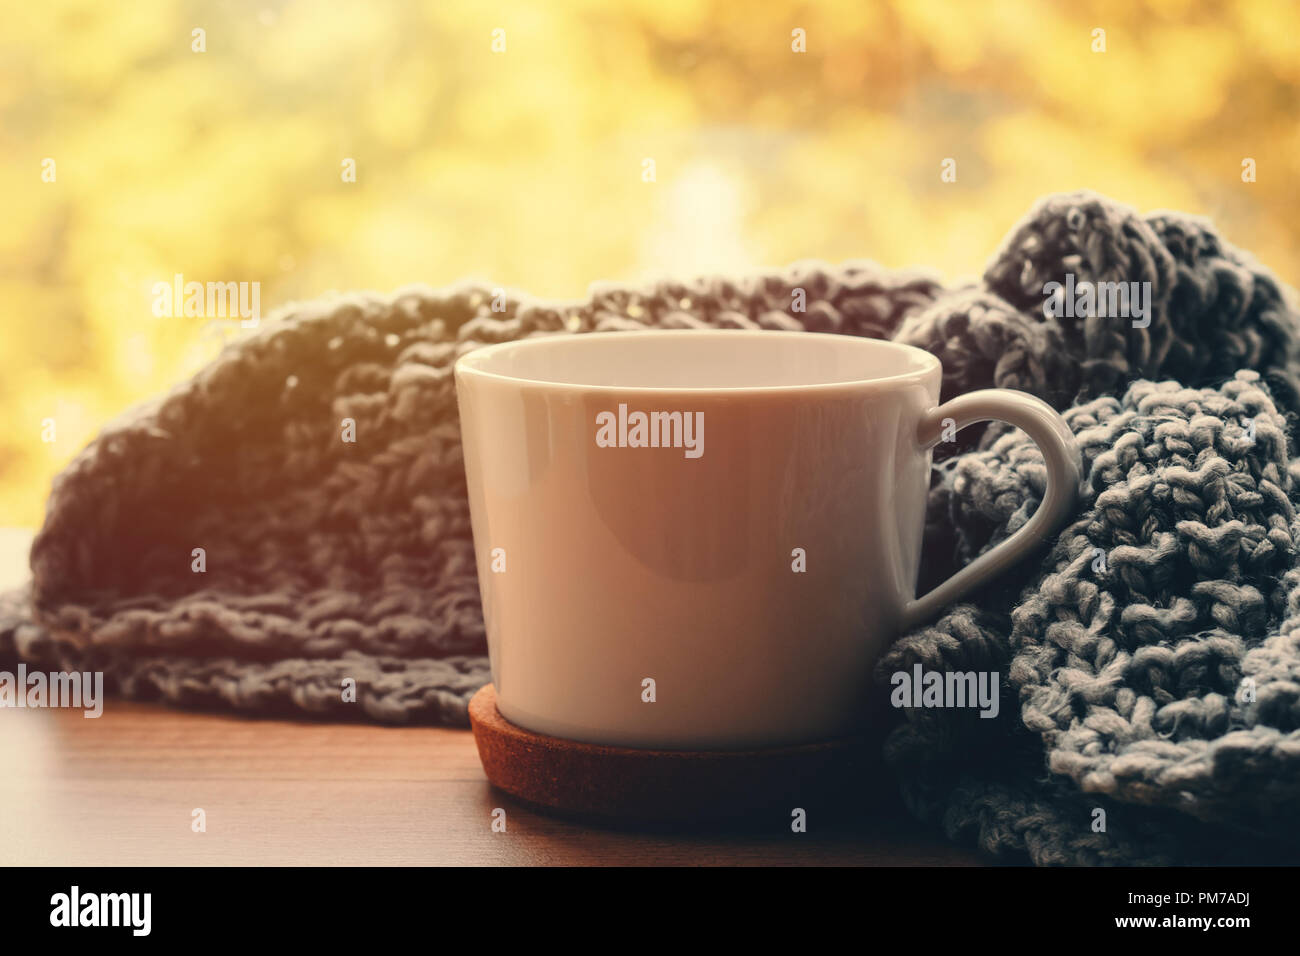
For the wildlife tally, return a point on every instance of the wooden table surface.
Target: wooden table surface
(121, 790)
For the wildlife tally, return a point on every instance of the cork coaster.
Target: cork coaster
(657, 786)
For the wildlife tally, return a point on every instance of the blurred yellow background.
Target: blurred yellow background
(523, 167)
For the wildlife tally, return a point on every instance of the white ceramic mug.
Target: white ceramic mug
(723, 572)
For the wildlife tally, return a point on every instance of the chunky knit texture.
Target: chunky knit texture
(1124, 653)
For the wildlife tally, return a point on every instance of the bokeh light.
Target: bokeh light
(524, 168)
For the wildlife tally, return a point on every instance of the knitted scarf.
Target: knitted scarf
(1153, 653)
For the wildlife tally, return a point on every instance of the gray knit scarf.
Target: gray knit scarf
(1154, 652)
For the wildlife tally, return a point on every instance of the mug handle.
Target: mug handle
(1048, 430)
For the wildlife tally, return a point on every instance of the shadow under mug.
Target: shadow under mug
(705, 540)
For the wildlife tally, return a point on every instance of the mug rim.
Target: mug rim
(465, 366)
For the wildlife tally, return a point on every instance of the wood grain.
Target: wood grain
(120, 790)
